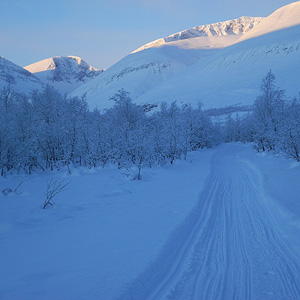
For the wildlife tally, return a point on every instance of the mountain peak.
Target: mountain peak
(63, 72)
(174, 69)
(206, 34)
(57, 61)
(284, 17)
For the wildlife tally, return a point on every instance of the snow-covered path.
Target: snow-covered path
(233, 249)
(225, 224)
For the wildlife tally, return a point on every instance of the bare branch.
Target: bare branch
(54, 187)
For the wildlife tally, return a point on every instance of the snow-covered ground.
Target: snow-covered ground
(101, 233)
(222, 225)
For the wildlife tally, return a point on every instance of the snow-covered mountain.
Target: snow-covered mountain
(232, 29)
(19, 79)
(64, 73)
(283, 18)
(223, 65)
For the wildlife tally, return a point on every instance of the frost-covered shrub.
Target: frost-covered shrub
(47, 130)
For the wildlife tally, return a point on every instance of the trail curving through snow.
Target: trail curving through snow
(230, 247)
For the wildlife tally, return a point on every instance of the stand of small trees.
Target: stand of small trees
(274, 124)
(47, 130)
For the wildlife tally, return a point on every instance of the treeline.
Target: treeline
(273, 125)
(48, 131)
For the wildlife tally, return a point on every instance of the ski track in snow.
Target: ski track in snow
(233, 249)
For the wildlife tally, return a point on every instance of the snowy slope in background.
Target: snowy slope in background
(193, 70)
(137, 73)
(19, 79)
(234, 75)
(207, 36)
(284, 17)
(64, 73)
(142, 70)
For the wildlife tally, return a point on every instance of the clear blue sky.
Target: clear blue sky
(102, 32)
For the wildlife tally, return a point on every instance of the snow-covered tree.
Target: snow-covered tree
(269, 109)
(290, 132)
(49, 130)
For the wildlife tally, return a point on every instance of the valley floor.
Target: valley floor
(222, 225)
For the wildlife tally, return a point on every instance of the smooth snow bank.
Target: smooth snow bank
(285, 17)
(102, 232)
(280, 179)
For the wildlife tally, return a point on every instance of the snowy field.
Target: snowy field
(222, 225)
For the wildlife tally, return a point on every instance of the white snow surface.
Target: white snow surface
(233, 75)
(285, 17)
(64, 73)
(233, 28)
(19, 79)
(102, 232)
(222, 225)
(137, 73)
(200, 69)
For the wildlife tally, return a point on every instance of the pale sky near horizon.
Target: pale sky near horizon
(103, 32)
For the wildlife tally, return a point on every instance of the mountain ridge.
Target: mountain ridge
(65, 73)
(17, 77)
(193, 74)
(236, 27)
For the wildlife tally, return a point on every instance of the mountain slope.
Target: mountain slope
(64, 73)
(20, 80)
(142, 70)
(207, 36)
(137, 73)
(234, 76)
(284, 17)
(204, 72)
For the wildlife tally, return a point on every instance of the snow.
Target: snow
(64, 73)
(197, 37)
(215, 70)
(50, 64)
(137, 73)
(20, 80)
(232, 76)
(41, 66)
(207, 42)
(101, 233)
(284, 17)
(223, 224)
